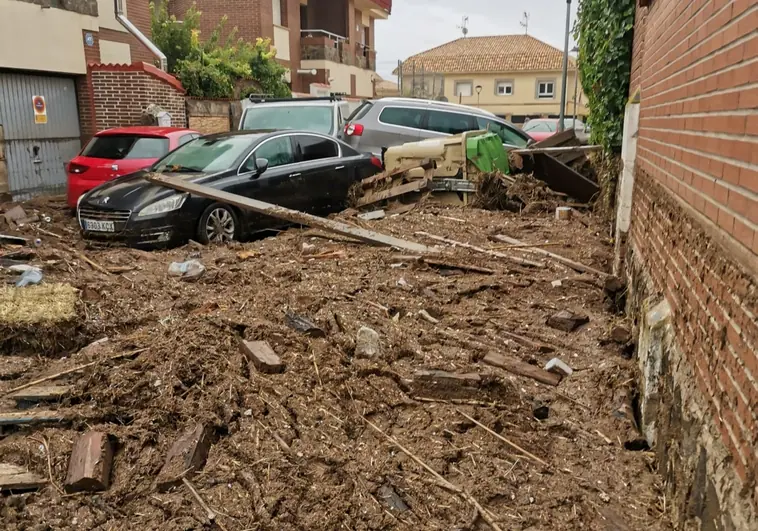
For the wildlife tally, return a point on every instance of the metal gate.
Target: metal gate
(36, 148)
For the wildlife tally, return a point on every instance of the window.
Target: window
(402, 116)
(316, 148)
(545, 89)
(277, 7)
(508, 135)
(206, 155)
(504, 88)
(277, 151)
(117, 147)
(450, 123)
(186, 138)
(541, 126)
(317, 118)
(464, 88)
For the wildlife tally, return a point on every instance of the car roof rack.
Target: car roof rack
(267, 98)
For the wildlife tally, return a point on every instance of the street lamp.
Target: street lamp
(565, 67)
(478, 92)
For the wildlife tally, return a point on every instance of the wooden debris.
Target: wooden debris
(89, 468)
(516, 259)
(72, 370)
(186, 457)
(304, 325)
(16, 478)
(449, 264)
(427, 317)
(89, 261)
(15, 240)
(211, 515)
(441, 481)
(42, 393)
(293, 216)
(395, 191)
(522, 369)
(31, 416)
(262, 356)
(446, 385)
(371, 216)
(556, 150)
(426, 164)
(525, 341)
(567, 321)
(506, 441)
(576, 266)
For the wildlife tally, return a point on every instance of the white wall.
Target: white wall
(107, 15)
(282, 43)
(32, 38)
(339, 77)
(115, 53)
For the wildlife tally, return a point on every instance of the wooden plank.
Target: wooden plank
(448, 264)
(186, 457)
(525, 341)
(389, 175)
(576, 266)
(31, 416)
(557, 150)
(395, 191)
(42, 393)
(14, 477)
(516, 259)
(293, 216)
(262, 356)
(89, 468)
(522, 369)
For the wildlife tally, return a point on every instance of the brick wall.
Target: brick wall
(695, 212)
(121, 93)
(252, 18)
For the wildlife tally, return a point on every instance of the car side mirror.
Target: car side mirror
(261, 165)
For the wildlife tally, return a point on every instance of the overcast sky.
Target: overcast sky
(417, 25)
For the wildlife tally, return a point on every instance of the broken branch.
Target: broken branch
(454, 243)
(576, 266)
(506, 441)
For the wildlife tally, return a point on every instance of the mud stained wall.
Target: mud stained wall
(693, 243)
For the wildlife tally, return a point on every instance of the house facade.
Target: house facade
(687, 240)
(325, 43)
(517, 77)
(67, 70)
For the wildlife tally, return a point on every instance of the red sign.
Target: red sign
(40, 109)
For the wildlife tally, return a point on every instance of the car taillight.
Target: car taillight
(73, 167)
(376, 161)
(353, 129)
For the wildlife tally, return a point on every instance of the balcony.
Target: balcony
(321, 45)
(378, 8)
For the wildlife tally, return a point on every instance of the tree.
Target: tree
(212, 69)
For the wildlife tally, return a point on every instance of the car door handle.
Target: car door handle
(295, 174)
(339, 168)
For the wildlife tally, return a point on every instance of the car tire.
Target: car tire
(218, 224)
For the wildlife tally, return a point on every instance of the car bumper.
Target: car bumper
(157, 232)
(77, 186)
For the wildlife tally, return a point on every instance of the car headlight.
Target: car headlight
(169, 204)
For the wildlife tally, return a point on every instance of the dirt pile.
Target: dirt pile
(294, 451)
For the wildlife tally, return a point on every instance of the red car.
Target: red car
(541, 128)
(116, 152)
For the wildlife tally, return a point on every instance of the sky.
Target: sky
(417, 25)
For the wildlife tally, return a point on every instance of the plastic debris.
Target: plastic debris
(189, 270)
(29, 277)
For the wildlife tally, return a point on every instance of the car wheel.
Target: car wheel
(218, 224)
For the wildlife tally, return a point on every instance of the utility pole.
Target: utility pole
(562, 115)
(400, 76)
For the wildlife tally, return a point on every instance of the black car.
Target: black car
(305, 171)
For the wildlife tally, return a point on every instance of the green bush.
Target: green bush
(605, 31)
(212, 69)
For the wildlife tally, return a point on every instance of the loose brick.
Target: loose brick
(186, 457)
(89, 467)
(261, 356)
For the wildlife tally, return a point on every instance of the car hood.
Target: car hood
(134, 192)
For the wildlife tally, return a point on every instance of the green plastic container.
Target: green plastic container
(487, 153)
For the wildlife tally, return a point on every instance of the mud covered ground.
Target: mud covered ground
(294, 451)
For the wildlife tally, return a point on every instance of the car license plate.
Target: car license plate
(98, 226)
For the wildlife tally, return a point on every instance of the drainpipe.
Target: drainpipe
(131, 28)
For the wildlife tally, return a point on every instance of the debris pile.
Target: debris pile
(349, 386)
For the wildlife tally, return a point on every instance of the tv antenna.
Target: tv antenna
(464, 26)
(525, 23)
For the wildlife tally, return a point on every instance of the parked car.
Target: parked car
(541, 128)
(302, 170)
(380, 124)
(321, 115)
(115, 152)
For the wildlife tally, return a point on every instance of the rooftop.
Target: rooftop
(500, 53)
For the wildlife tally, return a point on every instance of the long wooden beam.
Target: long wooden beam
(576, 266)
(287, 214)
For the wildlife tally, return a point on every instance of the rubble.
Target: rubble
(367, 343)
(567, 320)
(277, 451)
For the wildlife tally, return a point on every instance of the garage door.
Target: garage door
(35, 146)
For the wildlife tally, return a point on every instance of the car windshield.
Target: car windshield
(117, 147)
(206, 155)
(304, 117)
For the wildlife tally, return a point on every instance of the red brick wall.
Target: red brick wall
(695, 206)
(120, 94)
(252, 18)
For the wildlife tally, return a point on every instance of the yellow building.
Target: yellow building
(514, 76)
